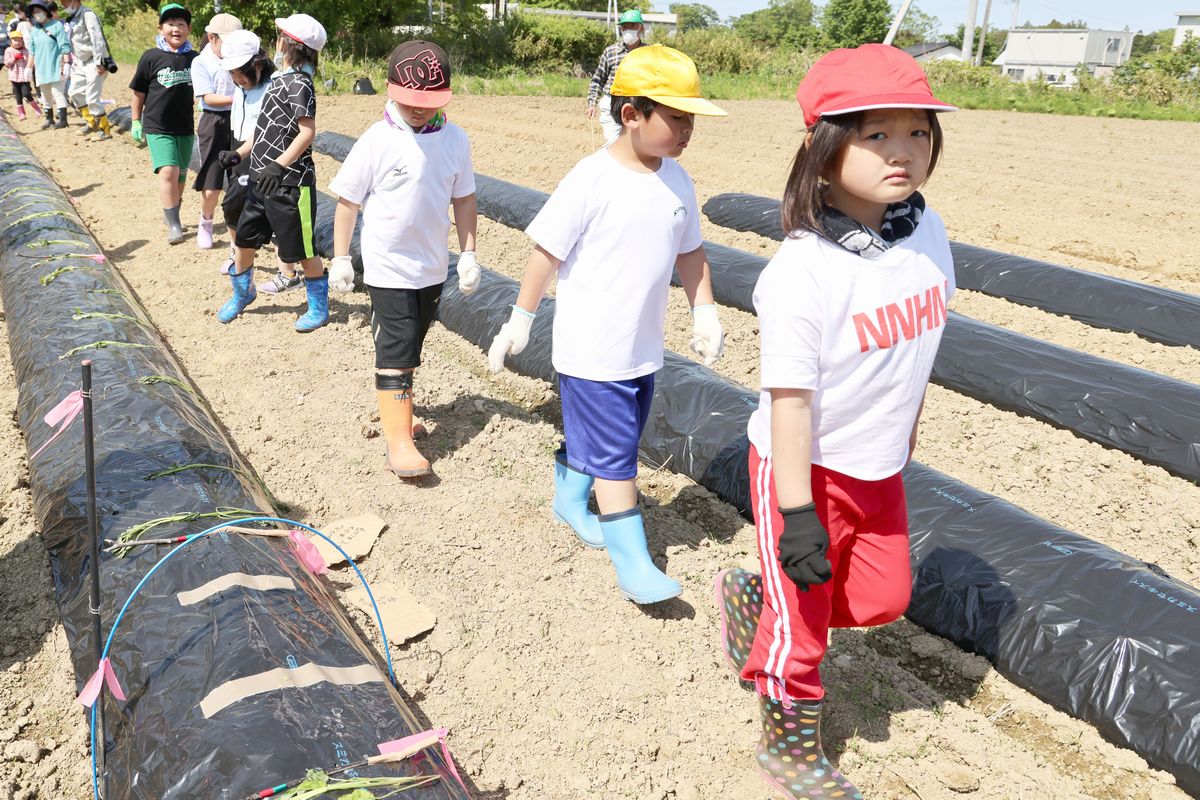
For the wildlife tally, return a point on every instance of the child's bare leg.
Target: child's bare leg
(625, 538)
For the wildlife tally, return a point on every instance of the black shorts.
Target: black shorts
(400, 318)
(213, 134)
(290, 214)
(23, 92)
(235, 195)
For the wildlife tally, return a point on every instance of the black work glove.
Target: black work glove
(270, 180)
(802, 547)
(228, 159)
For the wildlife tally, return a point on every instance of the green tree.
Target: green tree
(1054, 23)
(849, 23)
(784, 23)
(996, 39)
(918, 27)
(1147, 44)
(694, 16)
(1181, 60)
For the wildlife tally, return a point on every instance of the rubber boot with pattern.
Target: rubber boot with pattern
(640, 580)
(739, 601)
(243, 295)
(318, 304)
(571, 491)
(105, 128)
(396, 419)
(789, 753)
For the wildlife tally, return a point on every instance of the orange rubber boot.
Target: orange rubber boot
(396, 420)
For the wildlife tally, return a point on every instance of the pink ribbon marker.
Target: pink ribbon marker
(62, 415)
(98, 258)
(104, 676)
(310, 557)
(399, 745)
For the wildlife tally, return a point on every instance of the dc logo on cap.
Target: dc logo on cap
(421, 71)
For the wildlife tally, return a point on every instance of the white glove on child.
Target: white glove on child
(512, 338)
(708, 337)
(341, 274)
(468, 272)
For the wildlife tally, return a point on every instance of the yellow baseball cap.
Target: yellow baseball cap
(664, 75)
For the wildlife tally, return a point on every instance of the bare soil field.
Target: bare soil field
(552, 684)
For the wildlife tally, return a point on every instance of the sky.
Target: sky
(1148, 15)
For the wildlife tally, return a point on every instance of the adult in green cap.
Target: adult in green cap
(631, 28)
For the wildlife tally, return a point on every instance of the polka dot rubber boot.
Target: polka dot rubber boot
(790, 757)
(739, 600)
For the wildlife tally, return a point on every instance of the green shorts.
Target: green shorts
(170, 151)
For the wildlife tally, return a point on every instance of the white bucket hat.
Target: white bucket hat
(237, 48)
(303, 29)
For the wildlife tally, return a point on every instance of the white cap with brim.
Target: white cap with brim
(303, 29)
(237, 48)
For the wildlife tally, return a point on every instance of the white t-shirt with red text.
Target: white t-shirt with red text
(862, 333)
(617, 233)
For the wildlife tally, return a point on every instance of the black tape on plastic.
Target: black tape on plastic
(1147, 415)
(1106, 638)
(167, 654)
(1161, 315)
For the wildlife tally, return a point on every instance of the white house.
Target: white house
(934, 51)
(1052, 54)
(1189, 22)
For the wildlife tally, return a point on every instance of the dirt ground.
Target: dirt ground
(554, 686)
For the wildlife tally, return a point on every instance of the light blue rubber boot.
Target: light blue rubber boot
(318, 305)
(639, 579)
(571, 490)
(243, 295)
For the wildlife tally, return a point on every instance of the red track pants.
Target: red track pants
(872, 579)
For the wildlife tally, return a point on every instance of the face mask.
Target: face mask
(40, 17)
(630, 38)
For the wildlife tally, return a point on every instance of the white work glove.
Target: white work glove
(708, 337)
(468, 272)
(512, 338)
(341, 274)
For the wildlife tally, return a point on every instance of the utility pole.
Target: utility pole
(983, 32)
(892, 31)
(969, 30)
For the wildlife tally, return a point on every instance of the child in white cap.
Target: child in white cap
(283, 178)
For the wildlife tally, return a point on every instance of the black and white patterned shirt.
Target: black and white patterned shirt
(290, 97)
(606, 70)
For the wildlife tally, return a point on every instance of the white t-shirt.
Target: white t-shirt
(617, 233)
(209, 78)
(404, 182)
(862, 333)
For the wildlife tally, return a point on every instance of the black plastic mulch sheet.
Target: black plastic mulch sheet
(1108, 639)
(171, 651)
(1161, 315)
(1152, 417)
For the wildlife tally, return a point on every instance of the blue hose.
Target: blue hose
(117, 622)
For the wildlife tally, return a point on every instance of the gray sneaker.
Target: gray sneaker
(280, 283)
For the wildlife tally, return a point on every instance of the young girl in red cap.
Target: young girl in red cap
(851, 311)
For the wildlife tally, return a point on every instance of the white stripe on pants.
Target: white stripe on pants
(52, 94)
(781, 635)
(86, 84)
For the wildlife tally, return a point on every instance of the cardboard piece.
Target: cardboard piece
(403, 617)
(355, 535)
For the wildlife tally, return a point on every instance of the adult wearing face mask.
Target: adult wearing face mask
(51, 48)
(598, 92)
(90, 49)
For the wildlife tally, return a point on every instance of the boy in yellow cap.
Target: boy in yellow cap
(613, 231)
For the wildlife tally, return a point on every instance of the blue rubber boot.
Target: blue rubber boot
(639, 579)
(243, 295)
(571, 490)
(318, 304)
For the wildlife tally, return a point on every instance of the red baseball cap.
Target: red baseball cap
(863, 78)
(418, 75)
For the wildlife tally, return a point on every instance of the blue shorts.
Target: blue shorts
(603, 423)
